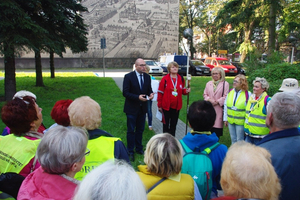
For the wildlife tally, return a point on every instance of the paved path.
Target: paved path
(156, 124)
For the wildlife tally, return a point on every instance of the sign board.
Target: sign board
(103, 43)
(222, 51)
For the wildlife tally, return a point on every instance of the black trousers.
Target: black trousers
(218, 131)
(171, 118)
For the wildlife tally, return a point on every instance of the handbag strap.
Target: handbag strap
(156, 184)
(223, 88)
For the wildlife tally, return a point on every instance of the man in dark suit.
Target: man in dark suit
(137, 90)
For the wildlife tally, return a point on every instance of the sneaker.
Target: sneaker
(150, 128)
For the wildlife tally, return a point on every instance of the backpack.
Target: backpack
(199, 166)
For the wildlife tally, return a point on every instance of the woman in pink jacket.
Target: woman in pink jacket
(61, 154)
(216, 91)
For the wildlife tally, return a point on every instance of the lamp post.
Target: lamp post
(188, 34)
(292, 40)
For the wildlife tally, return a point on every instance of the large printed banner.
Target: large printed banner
(132, 28)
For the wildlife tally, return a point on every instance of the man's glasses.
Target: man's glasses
(87, 152)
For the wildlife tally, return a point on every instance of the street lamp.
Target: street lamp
(188, 34)
(292, 40)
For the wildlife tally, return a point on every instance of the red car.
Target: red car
(221, 62)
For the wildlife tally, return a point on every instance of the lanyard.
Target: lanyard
(174, 85)
(236, 94)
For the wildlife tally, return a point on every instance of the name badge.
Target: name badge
(233, 108)
(174, 93)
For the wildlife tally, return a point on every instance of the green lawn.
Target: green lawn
(70, 85)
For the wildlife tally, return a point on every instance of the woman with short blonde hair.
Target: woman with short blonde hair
(216, 91)
(169, 97)
(87, 116)
(247, 172)
(255, 118)
(86, 113)
(220, 71)
(163, 159)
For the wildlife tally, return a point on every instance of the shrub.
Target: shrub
(275, 73)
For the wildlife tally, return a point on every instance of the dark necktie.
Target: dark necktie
(142, 82)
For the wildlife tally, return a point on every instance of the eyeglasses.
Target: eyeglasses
(87, 152)
(236, 81)
(215, 73)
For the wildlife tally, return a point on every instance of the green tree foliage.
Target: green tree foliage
(16, 31)
(237, 14)
(199, 16)
(290, 21)
(65, 28)
(189, 12)
(39, 25)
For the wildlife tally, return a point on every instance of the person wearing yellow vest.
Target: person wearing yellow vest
(17, 150)
(163, 159)
(255, 121)
(86, 113)
(235, 108)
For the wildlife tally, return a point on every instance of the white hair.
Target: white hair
(264, 83)
(23, 93)
(60, 148)
(110, 181)
(285, 107)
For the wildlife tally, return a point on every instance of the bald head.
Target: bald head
(140, 65)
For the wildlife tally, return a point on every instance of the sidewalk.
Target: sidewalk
(156, 124)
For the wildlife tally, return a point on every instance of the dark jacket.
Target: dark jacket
(131, 91)
(284, 147)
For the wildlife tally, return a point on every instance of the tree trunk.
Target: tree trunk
(10, 75)
(247, 40)
(38, 69)
(246, 43)
(272, 24)
(52, 64)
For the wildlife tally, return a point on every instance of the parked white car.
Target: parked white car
(154, 67)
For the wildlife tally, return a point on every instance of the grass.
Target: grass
(70, 85)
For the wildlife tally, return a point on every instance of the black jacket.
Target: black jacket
(131, 91)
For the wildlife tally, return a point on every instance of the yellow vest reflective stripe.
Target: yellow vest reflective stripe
(16, 152)
(236, 115)
(101, 150)
(168, 189)
(255, 122)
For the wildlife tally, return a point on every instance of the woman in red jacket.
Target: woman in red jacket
(169, 97)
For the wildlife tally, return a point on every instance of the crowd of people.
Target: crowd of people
(75, 159)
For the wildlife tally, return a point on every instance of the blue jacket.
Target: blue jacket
(284, 147)
(198, 142)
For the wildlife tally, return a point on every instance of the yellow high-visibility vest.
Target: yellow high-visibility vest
(236, 113)
(255, 122)
(16, 152)
(101, 150)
